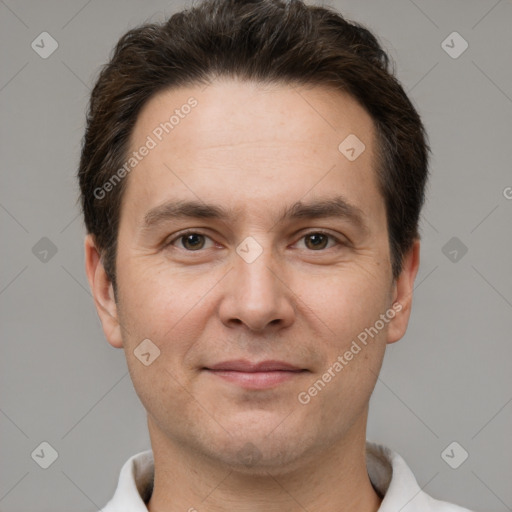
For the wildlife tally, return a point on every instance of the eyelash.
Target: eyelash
(316, 232)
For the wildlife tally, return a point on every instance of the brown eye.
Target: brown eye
(192, 241)
(316, 241)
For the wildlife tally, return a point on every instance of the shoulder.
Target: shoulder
(394, 480)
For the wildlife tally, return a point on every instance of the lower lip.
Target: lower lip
(256, 380)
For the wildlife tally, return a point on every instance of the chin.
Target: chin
(263, 452)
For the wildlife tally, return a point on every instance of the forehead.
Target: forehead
(239, 141)
(233, 112)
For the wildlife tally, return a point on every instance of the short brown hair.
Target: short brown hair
(268, 41)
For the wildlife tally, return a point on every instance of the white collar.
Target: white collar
(388, 472)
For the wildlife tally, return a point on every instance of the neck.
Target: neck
(334, 478)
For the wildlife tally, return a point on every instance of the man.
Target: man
(252, 177)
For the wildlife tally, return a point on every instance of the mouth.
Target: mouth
(246, 374)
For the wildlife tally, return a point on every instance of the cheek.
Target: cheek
(159, 308)
(155, 299)
(349, 309)
(346, 302)
(169, 308)
(353, 347)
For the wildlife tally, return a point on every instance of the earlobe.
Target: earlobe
(103, 293)
(403, 294)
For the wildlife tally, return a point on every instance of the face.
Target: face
(247, 236)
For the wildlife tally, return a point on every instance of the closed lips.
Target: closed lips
(249, 367)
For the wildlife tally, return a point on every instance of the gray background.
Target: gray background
(448, 380)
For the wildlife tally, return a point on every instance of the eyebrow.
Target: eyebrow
(336, 206)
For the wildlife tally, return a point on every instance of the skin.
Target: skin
(257, 149)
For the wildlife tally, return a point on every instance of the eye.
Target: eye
(190, 240)
(318, 240)
(194, 241)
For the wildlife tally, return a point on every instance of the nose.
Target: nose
(257, 295)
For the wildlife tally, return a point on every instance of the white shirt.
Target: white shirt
(388, 473)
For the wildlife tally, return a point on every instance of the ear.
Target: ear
(103, 293)
(402, 294)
